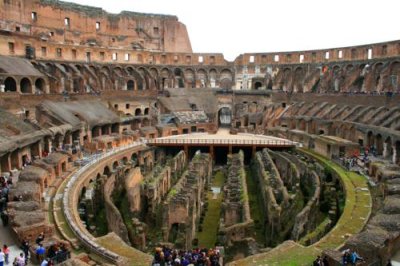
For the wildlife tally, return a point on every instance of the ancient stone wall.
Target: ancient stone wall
(114, 219)
(183, 205)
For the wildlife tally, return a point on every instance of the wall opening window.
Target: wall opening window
(276, 58)
(326, 55)
(114, 56)
(97, 25)
(384, 49)
(340, 54)
(176, 58)
(127, 57)
(18, 29)
(301, 58)
(34, 16)
(251, 59)
(139, 58)
(353, 53)
(156, 30)
(163, 59)
(212, 59)
(263, 58)
(201, 59)
(102, 56)
(127, 106)
(313, 56)
(44, 51)
(58, 52)
(67, 22)
(88, 59)
(288, 57)
(369, 53)
(73, 53)
(51, 33)
(11, 48)
(188, 59)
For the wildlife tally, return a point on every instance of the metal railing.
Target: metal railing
(87, 239)
(223, 141)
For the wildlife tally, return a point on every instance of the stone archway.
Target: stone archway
(10, 85)
(130, 85)
(40, 85)
(225, 116)
(26, 85)
(257, 85)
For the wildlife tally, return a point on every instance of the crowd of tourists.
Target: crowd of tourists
(164, 256)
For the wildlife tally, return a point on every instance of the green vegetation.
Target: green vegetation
(208, 236)
(135, 257)
(317, 232)
(355, 214)
(101, 222)
(256, 207)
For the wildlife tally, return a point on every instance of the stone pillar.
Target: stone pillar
(5, 163)
(186, 149)
(212, 152)
(385, 150)
(230, 149)
(394, 158)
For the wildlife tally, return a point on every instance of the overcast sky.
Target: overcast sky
(233, 27)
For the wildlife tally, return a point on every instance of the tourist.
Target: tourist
(355, 258)
(389, 263)
(317, 261)
(6, 251)
(45, 262)
(2, 257)
(25, 248)
(40, 251)
(40, 238)
(346, 258)
(325, 261)
(20, 260)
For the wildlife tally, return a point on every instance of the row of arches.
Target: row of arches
(81, 78)
(24, 85)
(367, 77)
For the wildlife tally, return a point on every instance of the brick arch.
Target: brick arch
(10, 84)
(26, 85)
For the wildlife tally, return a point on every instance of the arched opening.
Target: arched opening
(388, 150)
(225, 117)
(138, 111)
(134, 159)
(40, 85)
(379, 144)
(107, 171)
(179, 78)
(10, 84)
(257, 85)
(370, 139)
(146, 111)
(115, 165)
(26, 86)
(321, 132)
(130, 85)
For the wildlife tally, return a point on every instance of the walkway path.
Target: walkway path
(7, 238)
(208, 236)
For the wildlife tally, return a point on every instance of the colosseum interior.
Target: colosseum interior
(118, 139)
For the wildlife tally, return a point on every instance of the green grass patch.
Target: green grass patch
(208, 236)
(256, 207)
(355, 214)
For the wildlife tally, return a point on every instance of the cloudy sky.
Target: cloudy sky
(233, 27)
